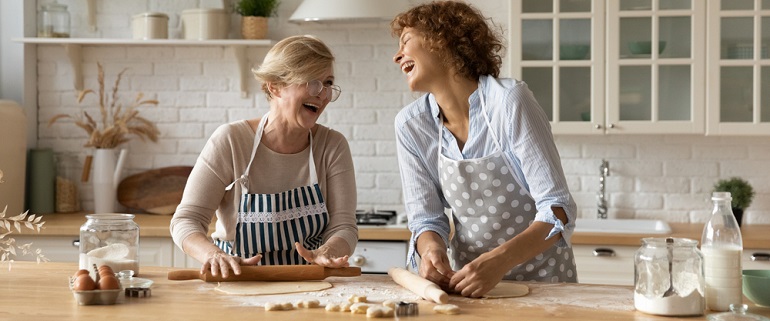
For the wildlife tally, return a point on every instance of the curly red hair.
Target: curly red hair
(458, 33)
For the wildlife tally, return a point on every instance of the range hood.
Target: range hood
(348, 10)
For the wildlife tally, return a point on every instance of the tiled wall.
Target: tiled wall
(652, 176)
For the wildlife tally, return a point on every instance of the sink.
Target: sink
(622, 226)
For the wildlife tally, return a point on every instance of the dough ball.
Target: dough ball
(307, 304)
(390, 303)
(446, 309)
(357, 299)
(332, 307)
(273, 306)
(359, 308)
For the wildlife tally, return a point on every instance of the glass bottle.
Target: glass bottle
(53, 21)
(668, 277)
(722, 247)
(110, 239)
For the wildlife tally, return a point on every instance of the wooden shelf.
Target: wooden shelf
(73, 46)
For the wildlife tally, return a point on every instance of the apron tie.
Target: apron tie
(243, 179)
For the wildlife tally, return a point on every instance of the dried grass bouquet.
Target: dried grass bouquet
(116, 123)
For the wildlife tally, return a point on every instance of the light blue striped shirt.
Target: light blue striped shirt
(526, 139)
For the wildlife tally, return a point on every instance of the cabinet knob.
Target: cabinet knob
(597, 126)
(76, 243)
(358, 260)
(611, 125)
(760, 256)
(604, 252)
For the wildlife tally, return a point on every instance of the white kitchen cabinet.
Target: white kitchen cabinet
(379, 256)
(603, 264)
(153, 251)
(738, 67)
(756, 259)
(613, 66)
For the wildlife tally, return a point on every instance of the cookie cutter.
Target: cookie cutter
(138, 292)
(405, 309)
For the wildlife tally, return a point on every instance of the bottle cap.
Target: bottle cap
(721, 196)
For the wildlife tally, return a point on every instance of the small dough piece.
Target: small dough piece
(359, 308)
(345, 306)
(387, 312)
(379, 312)
(268, 287)
(507, 290)
(390, 303)
(307, 304)
(332, 307)
(273, 306)
(446, 309)
(357, 299)
(287, 306)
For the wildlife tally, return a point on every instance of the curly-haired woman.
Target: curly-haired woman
(482, 147)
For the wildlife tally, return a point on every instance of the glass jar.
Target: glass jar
(67, 196)
(668, 277)
(110, 239)
(53, 21)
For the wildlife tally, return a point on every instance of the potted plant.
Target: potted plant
(741, 192)
(254, 14)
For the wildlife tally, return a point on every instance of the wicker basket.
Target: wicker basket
(253, 27)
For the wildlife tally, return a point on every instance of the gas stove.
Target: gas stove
(375, 217)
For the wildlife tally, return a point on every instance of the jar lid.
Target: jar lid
(151, 15)
(661, 242)
(55, 6)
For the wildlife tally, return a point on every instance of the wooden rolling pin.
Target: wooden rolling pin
(268, 273)
(422, 287)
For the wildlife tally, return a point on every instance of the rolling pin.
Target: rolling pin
(422, 287)
(268, 273)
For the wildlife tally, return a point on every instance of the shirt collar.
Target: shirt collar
(473, 100)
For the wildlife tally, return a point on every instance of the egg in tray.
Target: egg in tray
(104, 290)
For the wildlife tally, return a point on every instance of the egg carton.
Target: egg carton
(95, 297)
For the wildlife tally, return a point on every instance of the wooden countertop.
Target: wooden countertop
(33, 291)
(754, 236)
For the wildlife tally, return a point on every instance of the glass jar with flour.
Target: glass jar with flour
(668, 277)
(110, 239)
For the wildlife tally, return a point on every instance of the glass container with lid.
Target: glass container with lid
(668, 277)
(110, 239)
(53, 21)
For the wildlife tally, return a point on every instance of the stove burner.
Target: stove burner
(375, 217)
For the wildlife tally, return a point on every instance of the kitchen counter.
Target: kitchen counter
(754, 236)
(33, 291)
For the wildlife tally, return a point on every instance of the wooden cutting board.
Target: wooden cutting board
(156, 191)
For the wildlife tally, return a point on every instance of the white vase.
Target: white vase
(106, 176)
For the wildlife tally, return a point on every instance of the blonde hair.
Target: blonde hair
(294, 60)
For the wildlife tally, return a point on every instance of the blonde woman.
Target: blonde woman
(282, 186)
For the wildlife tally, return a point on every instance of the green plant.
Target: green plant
(258, 8)
(739, 189)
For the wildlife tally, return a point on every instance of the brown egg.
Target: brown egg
(79, 272)
(109, 283)
(83, 283)
(106, 270)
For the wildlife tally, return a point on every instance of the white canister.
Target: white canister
(150, 25)
(202, 24)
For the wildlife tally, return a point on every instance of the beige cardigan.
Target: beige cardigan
(225, 157)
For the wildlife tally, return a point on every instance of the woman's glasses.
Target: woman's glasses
(316, 87)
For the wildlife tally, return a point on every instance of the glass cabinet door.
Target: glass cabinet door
(557, 48)
(655, 63)
(739, 67)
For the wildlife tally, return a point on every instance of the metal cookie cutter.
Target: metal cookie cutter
(137, 292)
(405, 309)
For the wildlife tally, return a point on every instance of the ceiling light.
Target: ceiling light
(348, 10)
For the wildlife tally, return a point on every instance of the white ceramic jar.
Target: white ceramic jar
(150, 25)
(202, 24)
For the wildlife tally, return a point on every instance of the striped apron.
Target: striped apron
(489, 207)
(270, 223)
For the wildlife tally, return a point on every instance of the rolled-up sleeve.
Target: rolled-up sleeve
(538, 162)
(416, 134)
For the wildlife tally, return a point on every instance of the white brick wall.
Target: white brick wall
(652, 176)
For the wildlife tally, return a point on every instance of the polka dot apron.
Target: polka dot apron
(271, 223)
(489, 207)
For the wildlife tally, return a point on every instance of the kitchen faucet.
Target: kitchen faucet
(604, 170)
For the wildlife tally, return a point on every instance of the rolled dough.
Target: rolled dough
(265, 287)
(507, 290)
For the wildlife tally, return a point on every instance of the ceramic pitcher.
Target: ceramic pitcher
(106, 176)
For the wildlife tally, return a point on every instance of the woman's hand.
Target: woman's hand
(479, 276)
(220, 262)
(322, 256)
(435, 267)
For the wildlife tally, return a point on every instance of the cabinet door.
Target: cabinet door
(55, 248)
(601, 264)
(756, 259)
(739, 67)
(655, 66)
(556, 47)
